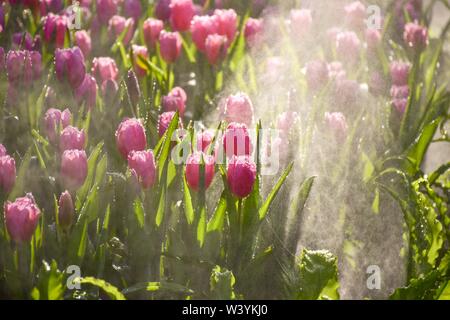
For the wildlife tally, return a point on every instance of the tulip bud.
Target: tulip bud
(66, 210)
(204, 140)
(133, 9)
(201, 28)
(226, 24)
(104, 68)
(337, 123)
(181, 14)
(106, 9)
(23, 67)
(317, 74)
(175, 101)
(134, 91)
(355, 15)
(170, 46)
(193, 170)
(54, 120)
(215, 48)
(416, 36)
(151, 29)
(143, 165)
(348, 45)
(130, 136)
(253, 29)
(117, 25)
(74, 169)
(236, 140)
(241, 176)
(400, 105)
(22, 40)
(143, 52)
(72, 138)
(55, 28)
(400, 73)
(239, 108)
(83, 41)
(3, 151)
(69, 64)
(87, 91)
(301, 22)
(7, 173)
(164, 121)
(162, 10)
(21, 218)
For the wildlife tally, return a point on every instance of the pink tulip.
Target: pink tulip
(133, 9)
(69, 64)
(181, 14)
(253, 29)
(226, 24)
(415, 36)
(104, 68)
(373, 38)
(106, 9)
(54, 121)
(201, 28)
(170, 46)
(239, 108)
(151, 29)
(400, 105)
(317, 74)
(109, 88)
(348, 45)
(74, 168)
(47, 6)
(215, 48)
(175, 101)
(400, 73)
(143, 52)
(355, 15)
(21, 218)
(130, 136)
(204, 140)
(301, 22)
(117, 25)
(164, 121)
(66, 212)
(413, 8)
(236, 140)
(55, 28)
(162, 10)
(142, 165)
(241, 176)
(87, 91)
(7, 173)
(83, 41)
(337, 123)
(23, 67)
(193, 170)
(400, 92)
(22, 40)
(72, 138)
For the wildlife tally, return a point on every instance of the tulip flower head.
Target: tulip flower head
(152, 29)
(241, 175)
(236, 140)
(239, 108)
(55, 121)
(70, 66)
(415, 36)
(66, 212)
(193, 166)
(400, 73)
(170, 46)
(130, 136)
(72, 138)
(7, 173)
(143, 167)
(74, 169)
(201, 28)
(227, 24)
(83, 41)
(175, 101)
(181, 14)
(21, 218)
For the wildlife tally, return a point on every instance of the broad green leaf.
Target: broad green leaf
(51, 284)
(418, 289)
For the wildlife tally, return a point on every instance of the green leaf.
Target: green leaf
(418, 289)
(161, 207)
(188, 208)
(158, 286)
(218, 218)
(222, 284)
(201, 227)
(109, 289)
(139, 212)
(50, 284)
(445, 293)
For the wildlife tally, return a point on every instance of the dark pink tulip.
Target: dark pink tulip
(227, 24)
(22, 40)
(400, 92)
(87, 91)
(104, 68)
(74, 168)
(83, 41)
(3, 151)
(143, 52)
(106, 9)
(21, 218)
(215, 48)
(253, 29)
(53, 6)
(133, 9)
(175, 101)
(193, 170)
(241, 176)
(348, 45)
(7, 173)
(236, 140)
(23, 67)
(337, 123)
(301, 22)
(204, 140)
(201, 28)
(54, 121)
(317, 74)
(413, 8)
(164, 121)
(355, 15)
(170, 46)
(415, 36)
(162, 10)
(142, 164)
(69, 64)
(400, 73)
(181, 14)
(239, 108)
(130, 136)
(117, 25)
(66, 213)
(151, 29)
(55, 28)
(72, 138)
